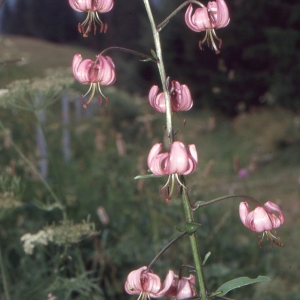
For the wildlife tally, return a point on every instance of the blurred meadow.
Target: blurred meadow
(111, 223)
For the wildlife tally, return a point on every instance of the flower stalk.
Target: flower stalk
(180, 7)
(162, 72)
(194, 243)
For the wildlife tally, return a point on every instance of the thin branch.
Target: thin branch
(129, 51)
(167, 19)
(164, 249)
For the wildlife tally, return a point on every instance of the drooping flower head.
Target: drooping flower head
(182, 288)
(179, 161)
(146, 284)
(92, 7)
(209, 18)
(262, 219)
(95, 73)
(181, 99)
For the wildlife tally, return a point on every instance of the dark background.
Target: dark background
(259, 63)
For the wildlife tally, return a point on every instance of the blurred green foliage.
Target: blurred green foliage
(88, 256)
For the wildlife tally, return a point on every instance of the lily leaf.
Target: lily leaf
(197, 204)
(191, 227)
(145, 176)
(154, 54)
(147, 59)
(207, 255)
(237, 283)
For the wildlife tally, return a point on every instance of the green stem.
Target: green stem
(164, 249)
(145, 56)
(167, 19)
(161, 70)
(33, 168)
(224, 198)
(194, 243)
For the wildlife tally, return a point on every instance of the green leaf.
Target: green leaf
(191, 227)
(145, 176)
(207, 255)
(154, 54)
(147, 59)
(239, 282)
(197, 204)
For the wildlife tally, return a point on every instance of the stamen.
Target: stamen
(178, 180)
(93, 88)
(90, 21)
(100, 100)
(101, 27)
(105, 28)
(100, 92)
(140, 296)
(79, 28)
(214, 46)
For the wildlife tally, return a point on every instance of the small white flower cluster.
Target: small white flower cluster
(66, 233)
(31, 240)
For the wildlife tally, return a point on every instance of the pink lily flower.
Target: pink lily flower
(95, 73)
(181, 99)
(183, 288)
(209, 18)
(179, 161)
(93, 7)
(147, 284)
(262, 219)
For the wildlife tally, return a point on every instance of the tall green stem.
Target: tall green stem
(161, 70)
(186, 203)
(194, 244)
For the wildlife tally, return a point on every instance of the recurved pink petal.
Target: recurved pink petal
(272, 207)
(140, 281)
(82, 69)
(159, 164)
(261, 219)
(193, 159)
(172, 291)
(179, 162)
(106, 70)
(157, 101)
(166, 285)
(133, 283)
(185, 288)
(153, 153)
(218, 12)
(78, 5)
(199, 21)
(101, 6)
(244, 211)
(185, 101)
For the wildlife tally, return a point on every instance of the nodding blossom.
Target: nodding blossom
(92, 7)
(181, 99)
(179, 161)
(209, 18)
(183, 288)
(95, 73)
(146, 284)
(262, 219)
